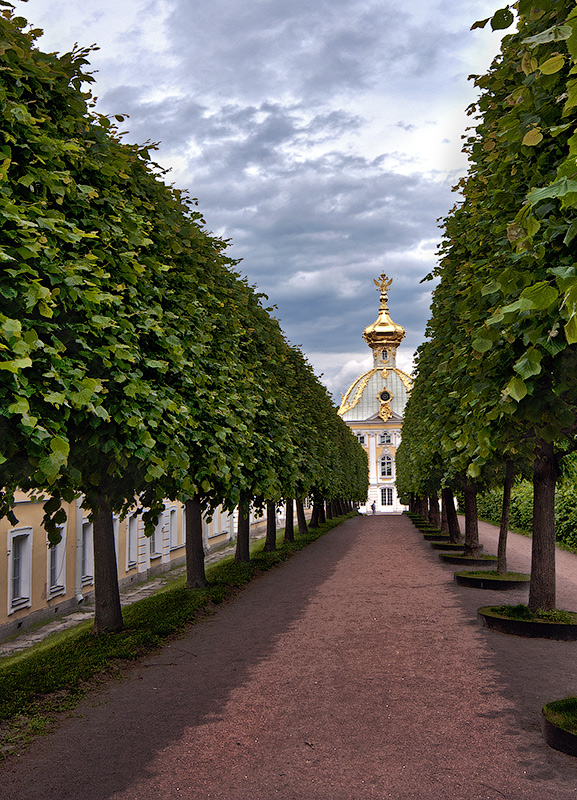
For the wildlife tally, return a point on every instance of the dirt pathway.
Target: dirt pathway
(356, 670)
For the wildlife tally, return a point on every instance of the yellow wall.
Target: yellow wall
(167, 550)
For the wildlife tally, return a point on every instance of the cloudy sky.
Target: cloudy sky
(321, 136)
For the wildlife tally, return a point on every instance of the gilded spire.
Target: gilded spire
(383, 285)
(384, 335)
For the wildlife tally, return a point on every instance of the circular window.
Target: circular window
(385, 396)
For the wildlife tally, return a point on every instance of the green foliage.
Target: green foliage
(134, 361)
(566, 515)
(521, 511)
(521, 516)
(498, 375)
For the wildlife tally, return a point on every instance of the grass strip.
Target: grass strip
(494, 575)
(54, 674)
(562, 713)
(523, 612)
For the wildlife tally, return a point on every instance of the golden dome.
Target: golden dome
(384, 331)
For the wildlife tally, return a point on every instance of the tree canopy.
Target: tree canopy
(135, 362)
(500, 369)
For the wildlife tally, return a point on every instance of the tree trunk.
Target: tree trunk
(429, 516)
(423, 508)
(107, 610)
(329, 509)
(545, 474)
(289, 525)
(434, 510)
(270, 541)
(322, 515)
(504, 526)
(471, 522)
(452, 519)
(444, 518)
(195, 575)
(302, 520)
(314, 522)
(242, 554)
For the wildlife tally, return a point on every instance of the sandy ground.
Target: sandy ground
(355, 670)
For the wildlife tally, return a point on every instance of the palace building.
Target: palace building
(45, 581)
(374, 404)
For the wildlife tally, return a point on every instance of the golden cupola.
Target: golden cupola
(384, 335)
(381, 392)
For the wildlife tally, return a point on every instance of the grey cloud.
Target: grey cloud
(302, 49)
(264, 108)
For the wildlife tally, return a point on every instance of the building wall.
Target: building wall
(39, 582)
(382, 488)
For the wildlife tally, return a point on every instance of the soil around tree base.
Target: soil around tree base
(559, 739)
(497, 583)
(473, 561)
(560, 631)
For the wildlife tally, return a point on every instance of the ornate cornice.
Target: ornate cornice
(406, 379)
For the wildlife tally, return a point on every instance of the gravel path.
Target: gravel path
(357, 670)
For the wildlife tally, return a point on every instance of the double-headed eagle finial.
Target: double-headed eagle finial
(383, 283)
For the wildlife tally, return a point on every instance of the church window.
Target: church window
(361, 438)
(386, 466)
(386, 438)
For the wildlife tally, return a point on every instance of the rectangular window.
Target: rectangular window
(19, 568)
(131, 541)
(224, 521)
(386, 438)
(207, 529)
(156, 539)
(116, 530)
(57, 565)
(386, 496)
(173, 528)
(361, 438)
(87, 555)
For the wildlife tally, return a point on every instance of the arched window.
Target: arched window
(386, 466)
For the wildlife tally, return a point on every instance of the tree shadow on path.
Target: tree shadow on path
(113, 736)
(531, 672)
